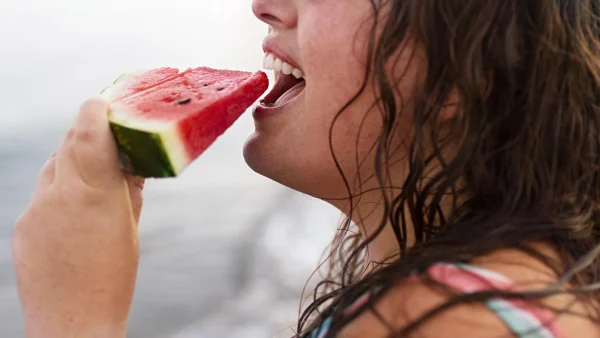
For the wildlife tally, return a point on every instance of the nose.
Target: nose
(278, 14)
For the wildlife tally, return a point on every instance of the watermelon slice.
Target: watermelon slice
(164, 119)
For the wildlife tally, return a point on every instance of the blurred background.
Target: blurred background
(225, 252)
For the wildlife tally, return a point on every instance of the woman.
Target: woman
(460, 137)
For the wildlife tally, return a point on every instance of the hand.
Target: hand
(75, 247)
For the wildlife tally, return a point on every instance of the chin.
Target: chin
(305, 175)
(263, 160)
(252, 153)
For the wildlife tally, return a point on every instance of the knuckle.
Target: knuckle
(22, 223)
(44, 178)
(19, 223)
(47, 169)
(70, 134)
(83, 134)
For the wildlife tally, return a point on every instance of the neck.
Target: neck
(369, 214)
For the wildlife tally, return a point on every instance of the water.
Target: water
(225, 252)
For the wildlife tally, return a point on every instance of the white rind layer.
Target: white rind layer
(167, 132)
(175, 148)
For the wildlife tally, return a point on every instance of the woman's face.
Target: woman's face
(325, 41)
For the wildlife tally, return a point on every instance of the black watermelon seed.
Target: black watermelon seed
(219, 89)
(206, 85)
(185, 101)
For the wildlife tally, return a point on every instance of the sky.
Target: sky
(56, 53)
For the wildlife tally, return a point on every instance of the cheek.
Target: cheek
(335, 62)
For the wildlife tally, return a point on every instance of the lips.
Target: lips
(289, 76)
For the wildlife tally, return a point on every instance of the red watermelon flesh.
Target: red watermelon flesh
(131, 83)
(161, 129)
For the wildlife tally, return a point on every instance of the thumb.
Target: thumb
(90, 149)
(136, 187)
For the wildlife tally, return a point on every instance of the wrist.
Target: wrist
(72, 326)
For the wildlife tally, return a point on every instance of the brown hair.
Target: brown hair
(525, 160)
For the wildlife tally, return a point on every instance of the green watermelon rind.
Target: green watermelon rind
(150, 158)
(150, 151)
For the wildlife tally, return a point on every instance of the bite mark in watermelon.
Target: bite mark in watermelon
(164, 119)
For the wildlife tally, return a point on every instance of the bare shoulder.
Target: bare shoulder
(530, 274)
(408, 302)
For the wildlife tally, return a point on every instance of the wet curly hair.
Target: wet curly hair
(525, 148)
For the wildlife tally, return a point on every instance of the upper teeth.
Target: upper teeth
(274, 63)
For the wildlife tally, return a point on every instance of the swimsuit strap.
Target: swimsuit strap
(524, 319)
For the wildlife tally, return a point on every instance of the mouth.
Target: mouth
(286, 88)
(289, 82)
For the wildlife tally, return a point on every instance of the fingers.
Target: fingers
(88, 152)
(47, 173)
(136, 187)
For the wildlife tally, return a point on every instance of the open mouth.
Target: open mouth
(286, 88)
(289, 82)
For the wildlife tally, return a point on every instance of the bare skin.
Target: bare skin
(75, 247)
